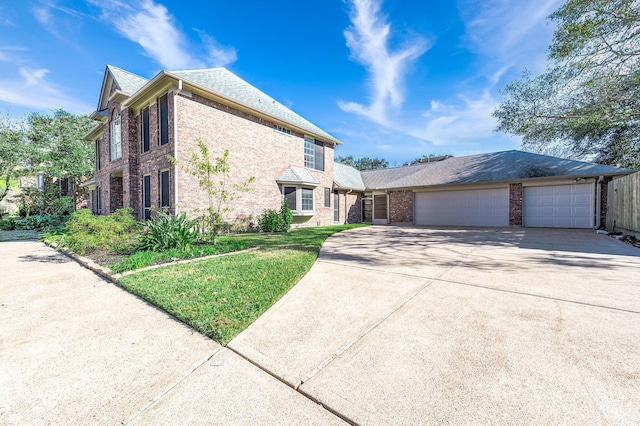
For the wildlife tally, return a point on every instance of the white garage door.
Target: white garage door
(480, 207)
(560, 206)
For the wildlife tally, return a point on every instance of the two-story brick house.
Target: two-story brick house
(142, 122)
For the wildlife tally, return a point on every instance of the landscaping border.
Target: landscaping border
(108, 273)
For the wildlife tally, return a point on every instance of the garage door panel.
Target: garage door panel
(484, 207)
(559, 206)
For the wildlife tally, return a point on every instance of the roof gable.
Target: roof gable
(126, 83)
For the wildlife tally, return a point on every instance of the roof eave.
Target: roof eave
(298, 182)
(98, 116)
(95, 132)
(347, 188)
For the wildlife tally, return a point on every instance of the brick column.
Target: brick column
(515, 204)
(401, 207)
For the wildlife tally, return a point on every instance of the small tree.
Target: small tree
(364, 163)
(213, 176)
(12, 147)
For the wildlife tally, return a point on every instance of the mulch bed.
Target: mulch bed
(104, 258)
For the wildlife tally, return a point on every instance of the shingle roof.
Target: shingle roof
(491, 167)
(223, 82)
(127, 82)
(346, 177)
(297, 175)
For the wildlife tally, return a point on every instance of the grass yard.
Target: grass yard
(220, 297)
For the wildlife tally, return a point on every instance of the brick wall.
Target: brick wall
(153, 161)
(127, 191)
(255, 150)
(401, 207)
(515, 204)
(350, 205)
(354, 207)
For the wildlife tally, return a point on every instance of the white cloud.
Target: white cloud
(42, 14)
(368, 40)
(32, 89)
(150, 25)
(464, 121)
(504, 39)
(218, 55)
(508, 34)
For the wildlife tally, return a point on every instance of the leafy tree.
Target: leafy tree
(587, 104)
(364, 163)
(56, 146)
(213, 176)
(12, 155)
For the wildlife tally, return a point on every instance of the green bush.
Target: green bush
(88, 232)
(276, 221)
(38, 222)
(7, 225)
(168, 232)
(60, 206)
(286, 217)
(269, 221)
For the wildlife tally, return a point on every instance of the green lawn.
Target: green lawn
(220, 297)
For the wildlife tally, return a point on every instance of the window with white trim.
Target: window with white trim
(115, 135)
(300, 200)
(313, 154)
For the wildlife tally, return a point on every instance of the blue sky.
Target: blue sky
(392, 79)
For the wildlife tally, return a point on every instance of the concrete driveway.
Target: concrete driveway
(75, 349)
(400, 325)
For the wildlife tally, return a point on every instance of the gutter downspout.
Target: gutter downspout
(345, 206)
(175, 147)
(599, 181)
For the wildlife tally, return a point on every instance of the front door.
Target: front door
(380, 209)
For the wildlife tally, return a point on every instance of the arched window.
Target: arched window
(115, 134)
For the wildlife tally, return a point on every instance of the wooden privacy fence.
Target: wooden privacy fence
(623, 205)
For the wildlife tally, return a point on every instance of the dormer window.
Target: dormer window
(115, 134)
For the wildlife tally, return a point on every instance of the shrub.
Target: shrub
(7, 225)
(60, 206)
(168, 232)
(269, 221)
(88, 232)
(276, 221)
(286, 216)
(38, 222)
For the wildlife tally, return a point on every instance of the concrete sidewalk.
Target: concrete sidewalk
(76, 349)
(400, 325)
